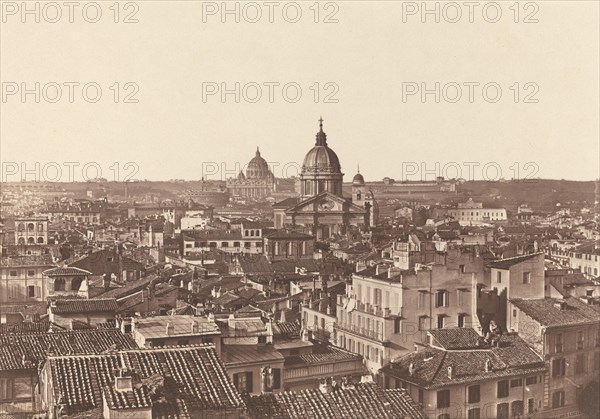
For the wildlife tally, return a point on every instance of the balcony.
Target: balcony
(360, 331)
(368, 308)
(334, 368)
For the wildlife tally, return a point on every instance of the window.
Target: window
(421, 301)
(460, 298)
(30, 273)
(502, 411)
(397, 325)
(516, 409)
(31, 291)
(580, 340)
(580, 364)
(558, 343)
(558, 399)
(502, 388)
(276, 378)
(422, 323)
(461, 268)
(443, 399)
(474, 395)
(461, 320)
(527, 277)
(596, 361)
(441, 298)
(558, 367)
(516, 383)
(13, 273)
(530, 406)
(243, 382)
(499, 277)
(440, 321)
(59, 284)
(420, 395)
(531, 380)
(474, 413)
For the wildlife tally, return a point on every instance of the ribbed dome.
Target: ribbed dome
(258, 168)
(321, 158)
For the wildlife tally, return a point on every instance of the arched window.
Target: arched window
(358, 196)
(59, 284)
(21, 227)
(31, 240)
(40, 227)
(30, 227)
(276, 248)
(21, 241)
(75, 284)
(40, 240)
(290, 248)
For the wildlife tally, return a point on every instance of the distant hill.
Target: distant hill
(539, 194)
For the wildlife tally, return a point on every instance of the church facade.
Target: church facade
(258, 182)
(321, 207)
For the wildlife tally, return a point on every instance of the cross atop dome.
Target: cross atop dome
(257, 152)
(321, 136)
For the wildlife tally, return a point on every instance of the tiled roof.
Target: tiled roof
(36, 347)
(286, 329)
(25, 327)
(548, 311)
(455, 338)
(507, 263)
(358, 401)
(194, 380)
(66, 271)
(129, 288)
(79, 305)
(328, 354)
(511, 358)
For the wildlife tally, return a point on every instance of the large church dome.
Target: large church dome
(321, 158)
(258, 167)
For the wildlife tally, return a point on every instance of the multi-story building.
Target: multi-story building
(287, 244)
(566, 333)
(31, 230)
(586, 258)
(65, 282)
(246, 239)
(471, 212)
(21, 278)
(460, 375)
(386, 311)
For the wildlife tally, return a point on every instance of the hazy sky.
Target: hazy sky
(368, 66)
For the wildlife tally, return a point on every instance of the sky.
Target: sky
(188, 89)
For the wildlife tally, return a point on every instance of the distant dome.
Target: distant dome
(321, 158)
(258, 167)
(358, 180)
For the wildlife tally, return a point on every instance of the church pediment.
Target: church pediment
(324, 203)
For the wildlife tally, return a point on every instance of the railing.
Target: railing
(362, 331)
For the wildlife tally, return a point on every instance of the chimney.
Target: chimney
(325, 386)
(488, 365)
(123, 382)
(411, 369)
(106, 281)
(170, 329)
(269, 326)
(195, 327)
(451, 372)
